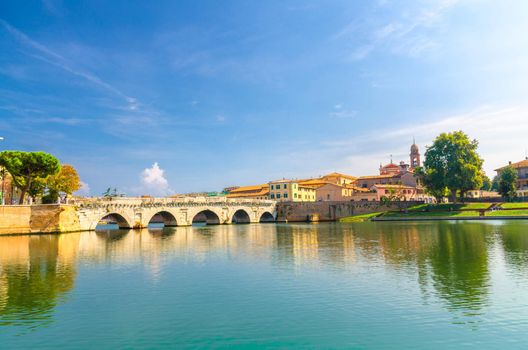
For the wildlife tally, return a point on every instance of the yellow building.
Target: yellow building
(254, 192)
(291, 190)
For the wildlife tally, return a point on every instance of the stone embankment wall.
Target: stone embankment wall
(38, 219)
(331, 211)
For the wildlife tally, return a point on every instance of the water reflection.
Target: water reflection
(448, 262)
(35, 274)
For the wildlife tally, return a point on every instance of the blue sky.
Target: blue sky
(173, 96)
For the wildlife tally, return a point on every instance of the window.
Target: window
(271, 186)
(295, 195)
(285, 195)
(272, 196)
(285, 186)
(278, 195)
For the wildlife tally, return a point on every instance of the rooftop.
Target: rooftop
(334, 174)
(521, 164)
(248, 188)
(377, 176)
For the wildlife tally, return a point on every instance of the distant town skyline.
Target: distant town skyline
(181, 96)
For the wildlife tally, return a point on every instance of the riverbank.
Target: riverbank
(469, 211)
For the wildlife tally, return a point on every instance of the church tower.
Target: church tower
(415, 156)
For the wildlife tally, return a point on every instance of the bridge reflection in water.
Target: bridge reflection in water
(453, 262)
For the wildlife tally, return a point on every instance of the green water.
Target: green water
(427, 285)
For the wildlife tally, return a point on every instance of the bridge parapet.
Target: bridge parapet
(138, 212)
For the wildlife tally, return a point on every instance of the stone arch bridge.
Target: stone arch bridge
(140, 212)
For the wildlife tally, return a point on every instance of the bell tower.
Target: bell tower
(415, 156)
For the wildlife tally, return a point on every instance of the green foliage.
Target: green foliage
(495, 183)
(37, 187)
(51, 197)
(506, 182)
(26, 167)
(111, 192)
(486, 183)
(433, 181)
(452, 163)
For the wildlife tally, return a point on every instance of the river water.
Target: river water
(426, 285)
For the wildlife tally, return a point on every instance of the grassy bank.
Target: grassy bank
(449, 210)
(360, 218)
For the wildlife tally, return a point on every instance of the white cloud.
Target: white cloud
(501, 133)
(154, 182)
(84, 191)
(220, 118)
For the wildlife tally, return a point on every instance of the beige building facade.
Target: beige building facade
(291, 191)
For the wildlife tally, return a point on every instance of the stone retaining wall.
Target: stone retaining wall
(38, 219)
(331, 211)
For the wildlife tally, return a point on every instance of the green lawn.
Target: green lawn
(514, 205)
(444, 210)
(446, 207)
(412, 214)
(359, 218)
(519, 212)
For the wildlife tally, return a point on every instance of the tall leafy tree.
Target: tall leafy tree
(486, 183)
(65, 181)
(452, 163)
(433, 181)
(506, 182)
(25, 167)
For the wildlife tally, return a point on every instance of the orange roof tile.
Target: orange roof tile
(377, 176)
(340, 175)
(521, 164)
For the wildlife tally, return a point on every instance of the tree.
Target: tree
(495, 183)
(486, 183)
(433, 182)
(25, 167)
(38, 185)
(65, 181)
(452, 163)
(506, 182)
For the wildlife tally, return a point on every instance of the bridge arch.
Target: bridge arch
(206, 216)
(163, 217)
(114, 218)
(266, 217)
(241, 216)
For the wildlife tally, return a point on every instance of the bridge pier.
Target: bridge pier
(139, 212)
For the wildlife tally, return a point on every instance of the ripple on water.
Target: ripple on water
(367, 285)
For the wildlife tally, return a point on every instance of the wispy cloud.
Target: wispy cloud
(340, 112)
(405, 35)
(483, 123)
(45, 54)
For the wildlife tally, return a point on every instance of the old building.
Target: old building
(522, 175)
(254, 192)
(335, 192)
(291, 190)
(339, 179)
